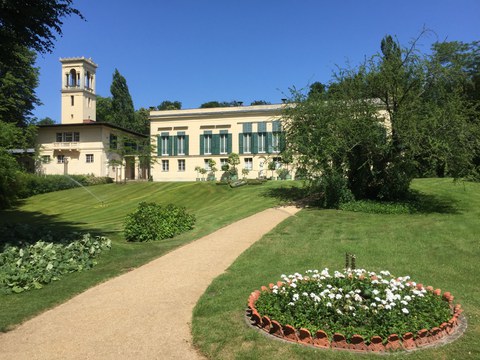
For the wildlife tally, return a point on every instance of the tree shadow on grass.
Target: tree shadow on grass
(417, 202)
(20, 228)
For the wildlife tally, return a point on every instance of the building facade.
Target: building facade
(80, 145)
(186, 140)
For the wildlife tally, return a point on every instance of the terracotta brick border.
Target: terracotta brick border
(439, 335)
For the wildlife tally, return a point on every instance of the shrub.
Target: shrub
(31, 184)
(151, 221)
(32, 266)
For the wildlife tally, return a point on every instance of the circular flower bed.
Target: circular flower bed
(354, 309)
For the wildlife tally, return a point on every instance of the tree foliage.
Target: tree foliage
(369, 134)
(169, 105)
(123, 112)
(216, 104)
(32, 24)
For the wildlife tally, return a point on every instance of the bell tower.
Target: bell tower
(79, 102)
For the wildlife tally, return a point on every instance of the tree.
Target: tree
(317, 88)
(18, 80)
(259, 102)
(31, 24)
(104, 109)
(366, 136)
(123, 112)
(215, 104)
(46, 121)
(170, 105)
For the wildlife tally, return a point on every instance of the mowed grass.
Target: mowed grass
(438, 247)
(77, 210)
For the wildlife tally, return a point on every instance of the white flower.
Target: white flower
(293, 285)
(374, 282)
(275, 291)
(373, 304)
(388, 307)
(329, 304)
(403, 302)
(358, 298)
(378, 299)
(347, 296)
(291, 303)
(375, 292)
(338, 296)
(331, 296)
(305, 294)
(405, 311)
(339, 312)
(295, 297)
(407, 298)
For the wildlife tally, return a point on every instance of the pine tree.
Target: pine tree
(123, 112)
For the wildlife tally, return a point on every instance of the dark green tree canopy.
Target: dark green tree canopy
(170, 105)
(32, 24)
(123, 112)
(215, 104)
(259, 102)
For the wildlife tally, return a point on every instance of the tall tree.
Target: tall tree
(123, 112)
(18, 80)
(32, 24)
(366, 137)
(104, 109)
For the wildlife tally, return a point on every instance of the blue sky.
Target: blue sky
(196, 51)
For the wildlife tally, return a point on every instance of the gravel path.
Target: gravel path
(145, 313)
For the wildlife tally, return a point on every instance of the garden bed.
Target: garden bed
(356, 310)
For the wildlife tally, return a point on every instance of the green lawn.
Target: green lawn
(76, 210)
(438, 247)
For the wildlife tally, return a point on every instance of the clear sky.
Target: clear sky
(196, 51)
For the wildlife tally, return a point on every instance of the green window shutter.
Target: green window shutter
(170, 145)
(202, 144)
(240, 143)
(269, 143)
(216, 144)
(282, 142)
(262, 127)
(247, 127)
(175, 145)
(185, 145)
(159, 145)
(254, 146)
(276, 126)
(229, 143)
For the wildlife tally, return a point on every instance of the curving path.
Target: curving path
(142, 314)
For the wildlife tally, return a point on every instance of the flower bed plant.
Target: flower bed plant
(31, 267)
(353, 306)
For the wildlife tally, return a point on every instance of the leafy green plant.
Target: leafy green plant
(353, 302)
(152, 221)
(32, 266)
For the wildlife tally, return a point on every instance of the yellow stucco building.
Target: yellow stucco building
(80, 145)
(185, 141)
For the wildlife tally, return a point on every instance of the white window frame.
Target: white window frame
(276, 142)
(223, 143)
(206, 164)
(248, 163)
(181, 144)
(164, 145)
(181, 168)
(89, 158)
(247, 141)
(60, 159)
(165, 166)
(207, 144)
(262, 142)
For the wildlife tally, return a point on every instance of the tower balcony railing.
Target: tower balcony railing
(66, 145)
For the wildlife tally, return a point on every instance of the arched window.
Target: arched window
(87, 80)
(73, 78)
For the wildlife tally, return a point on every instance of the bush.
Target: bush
(31, 184)
(151, 221)
(32, 266)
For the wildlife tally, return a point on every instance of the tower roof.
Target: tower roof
(78, 59)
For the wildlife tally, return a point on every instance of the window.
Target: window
(247, 139)
(223, 143)
(89, 158)
(276, 142)
(113, 141)
(207, 144)
(72, 100)
(262, 141)
(60, 159)
(206, 164)
(223, 161)
(67, 137)
(46, 159)
(181, 165)
(248, 163)
(165, 165)
(165, 146)
(277, 161)
(181, 145)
